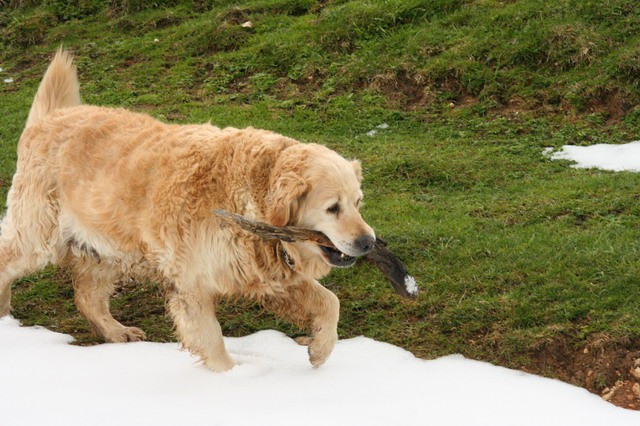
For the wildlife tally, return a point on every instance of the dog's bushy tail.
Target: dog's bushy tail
(59, 87)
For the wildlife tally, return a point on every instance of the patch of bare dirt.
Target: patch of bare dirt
(606, 368)
(404, 89)
(235, 15)
(625, 394)
(611, 104)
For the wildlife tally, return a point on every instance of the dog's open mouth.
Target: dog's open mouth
(337, 258)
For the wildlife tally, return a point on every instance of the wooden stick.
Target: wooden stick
(289, 234)
(391, 267)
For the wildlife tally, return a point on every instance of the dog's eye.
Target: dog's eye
(358, 202)
(334, 209)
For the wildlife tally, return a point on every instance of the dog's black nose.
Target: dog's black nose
(365, 243)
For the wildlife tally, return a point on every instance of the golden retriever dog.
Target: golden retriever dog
(115, 194)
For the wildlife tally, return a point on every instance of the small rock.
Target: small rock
(156, 40)
(636, 389)
(635, 372)
(8, 80)
(607, 394)
(586, 350)
(247, 24)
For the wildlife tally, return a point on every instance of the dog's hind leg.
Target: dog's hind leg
(26, 246)
(15, 262)
(5, 300)
(93, 285)
(198, 329)
(9, 259)
(311, 305)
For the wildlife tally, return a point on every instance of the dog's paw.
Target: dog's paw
(304, 340)
(125, 334)
(321, 347)
(220, 365)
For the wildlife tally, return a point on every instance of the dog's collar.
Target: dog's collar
(286, 257)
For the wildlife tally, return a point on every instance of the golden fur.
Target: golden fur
(115, 193)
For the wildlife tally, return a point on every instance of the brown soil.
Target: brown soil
(609, 103)
(403, 89)
(625, 394)
(606, 368)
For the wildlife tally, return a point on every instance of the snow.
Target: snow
(374, 132)
(410, 285)
(44, 380)
(623, 157)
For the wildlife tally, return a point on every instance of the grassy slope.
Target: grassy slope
(514, 252)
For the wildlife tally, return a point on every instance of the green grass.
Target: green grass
(512, 250)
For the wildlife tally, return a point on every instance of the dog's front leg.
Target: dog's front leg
(198, 328)
(309, 304)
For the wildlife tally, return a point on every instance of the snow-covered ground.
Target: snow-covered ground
(46, 381)
(602, 156)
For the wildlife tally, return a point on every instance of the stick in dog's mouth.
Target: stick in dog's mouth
(391, 267)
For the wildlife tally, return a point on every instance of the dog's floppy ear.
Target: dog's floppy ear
(284, 200)
(357, 168)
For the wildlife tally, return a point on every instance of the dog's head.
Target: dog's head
(315, 188)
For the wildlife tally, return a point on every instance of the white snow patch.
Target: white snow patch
(8, 80)
(410, 285)
(622, 157)
(44, 380)
(374, 132)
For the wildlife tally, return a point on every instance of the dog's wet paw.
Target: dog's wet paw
(321, 347)
(125, 334)
(304, 340)
(220, 365)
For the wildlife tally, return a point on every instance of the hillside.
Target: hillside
(523, 262)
